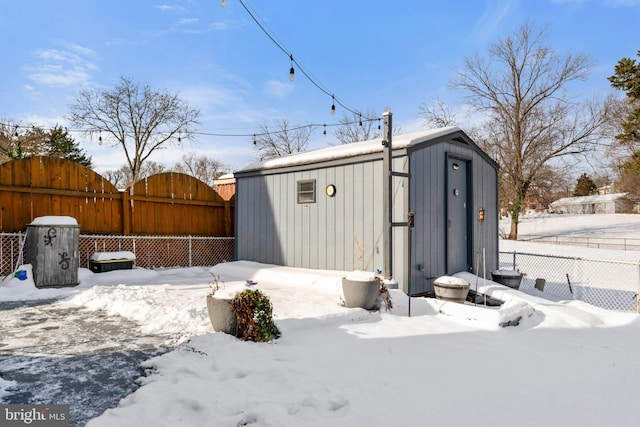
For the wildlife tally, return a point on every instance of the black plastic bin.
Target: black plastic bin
(510, 278)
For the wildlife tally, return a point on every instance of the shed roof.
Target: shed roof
(352, 150)
(596, 198)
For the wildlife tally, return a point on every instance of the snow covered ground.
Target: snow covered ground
(605, 225)
(565, 363)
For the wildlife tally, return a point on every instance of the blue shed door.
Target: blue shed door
(457, 216)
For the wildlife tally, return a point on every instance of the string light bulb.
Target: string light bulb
(360, 122)
(333, 105)
(291, 70)
(324, 133)
(254, 139)
(223, 3)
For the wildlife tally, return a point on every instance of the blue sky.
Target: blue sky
(369, 53)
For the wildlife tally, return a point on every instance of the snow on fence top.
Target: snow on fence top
(350, 150)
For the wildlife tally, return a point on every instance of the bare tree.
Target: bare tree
(123, 178)
(361, 127)
(437, 115)
(18, 141)
(118, 178)
(282, 141)
(521, 87)
(204, 168)
(139, 119)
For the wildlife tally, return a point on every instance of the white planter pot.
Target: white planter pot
(221, 316)
(451, 289)
(361, 294)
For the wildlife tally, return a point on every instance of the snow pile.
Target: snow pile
(451, 280)
(512, 312)
(360, 276)
(346, 366)
(109, 256)
(54, 220)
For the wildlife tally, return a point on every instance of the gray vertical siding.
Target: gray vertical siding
(273, 228)
(428, 201)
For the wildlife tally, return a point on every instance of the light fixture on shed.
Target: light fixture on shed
(330, 190)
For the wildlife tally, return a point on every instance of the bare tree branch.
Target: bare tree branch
(283, 141)
(437, 115)
(206, 169)
(521, 87)
(139, 119)
(361, 127)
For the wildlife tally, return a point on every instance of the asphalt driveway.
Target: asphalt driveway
(61, 355)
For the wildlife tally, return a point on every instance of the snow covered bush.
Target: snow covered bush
(254, 312)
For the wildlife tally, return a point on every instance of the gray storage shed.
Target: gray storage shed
(323, 209)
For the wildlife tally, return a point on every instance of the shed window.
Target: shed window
(307, 191)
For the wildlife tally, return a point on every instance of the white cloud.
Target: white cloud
(188, 21)
(278, 89)
(61, 68)
(623, 3)
(83, 51)
(218, 26)
(490, 19)
(165, 7)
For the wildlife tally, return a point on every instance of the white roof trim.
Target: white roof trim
(350, 150)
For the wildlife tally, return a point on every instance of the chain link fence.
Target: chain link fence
(617, 243)
(150, 251)
(608, 284)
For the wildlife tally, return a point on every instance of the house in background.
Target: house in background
(323, 209)
(225, 186)
(595, 204)
(536, 203)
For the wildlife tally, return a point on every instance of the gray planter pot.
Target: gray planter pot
(221, 316)
(360, 294)
(447, 291)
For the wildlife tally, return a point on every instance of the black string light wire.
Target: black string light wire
(315, 82)
(230, 135)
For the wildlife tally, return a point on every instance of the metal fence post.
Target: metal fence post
(190, 253)
(514, 261)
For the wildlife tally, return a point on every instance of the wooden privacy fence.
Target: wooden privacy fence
(167, 204)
